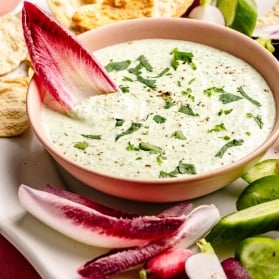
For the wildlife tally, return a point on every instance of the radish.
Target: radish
(93, 227)
(207, 12)
(205, 264)
(63, 66)
(198, 222)
(234, 269)
(166, 265)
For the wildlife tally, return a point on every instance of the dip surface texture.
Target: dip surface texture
(182, 109)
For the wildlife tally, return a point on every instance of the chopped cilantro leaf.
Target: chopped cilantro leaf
(228, 145)
(182, 168)
(145, 63)
(117, 66)
(96, 137)
(187, 110)
(246, 96)
(134, 127)
(218, 128)
(119, 122)
(153, 149)
(82, 145)
(148, 82)
(226, 98)
(181, 56)
(159, 119)
(124, 89)
(179, 135)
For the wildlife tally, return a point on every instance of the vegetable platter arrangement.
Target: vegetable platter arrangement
(182, 241)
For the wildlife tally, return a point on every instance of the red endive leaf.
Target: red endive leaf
(67, 70)
(93, 227)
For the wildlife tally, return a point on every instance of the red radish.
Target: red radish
(205, 264)
(166, 265)
(207, 13)
(66, 69)
(198, 222)
(92, 227)
(234, 269)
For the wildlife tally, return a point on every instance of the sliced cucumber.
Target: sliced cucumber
(261, 190)
(260, 169)
(244, 223)
(274, 275)
(259, 255)
(240, 15)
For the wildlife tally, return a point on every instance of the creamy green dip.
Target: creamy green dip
(182, 109)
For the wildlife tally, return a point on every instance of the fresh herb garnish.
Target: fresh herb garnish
(168, 103)
(124, 89)
(132, 147)
(179, 135)
(82, 145)
(258, 119)
(212, 90)
(246, 96)
(159, 119)
(228, 145)
(134, 127)
(145, 63)
(182, 168)
(226, 98)
(163, 72)
(187, 110)
(225, 111)
(95, 137)
(119, 122)
(148, 82)
(117, 66)
(153, 149)
(186, 57)
(218, 128)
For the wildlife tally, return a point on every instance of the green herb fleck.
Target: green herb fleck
(145, 63)
(159, 119)
(148, 82)
(179, 135)
(226, 98)
(186, 57)
(163, 72)
(246, 96)
(124, 89)
(228, 145)
(187, 110)
(226, 111)
(218, 128)
(96, 137)
(168, 103)
(153, 149)
(127, 79)
(133, 128)
(182, 168)
(117, 66)
(82, 145)
(257, 119)
(119, 122)
(131, 147)
(212, 90)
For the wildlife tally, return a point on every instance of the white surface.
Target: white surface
(54, 256)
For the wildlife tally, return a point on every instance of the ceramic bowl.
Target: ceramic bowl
(168, 189)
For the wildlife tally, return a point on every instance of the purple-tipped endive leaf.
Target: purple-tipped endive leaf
(65, 68)
(197, 224)
(92, 227)
(177, 209)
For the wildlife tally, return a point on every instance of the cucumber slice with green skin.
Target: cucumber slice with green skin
(274, 275)
(240, 15)
(260, 169)
(259, 255)
(261, 190)
(244, 223)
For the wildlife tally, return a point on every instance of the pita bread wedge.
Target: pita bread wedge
(174, 8)
(12, 44)
(13, 117)
(63, 10)
(92, 16)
